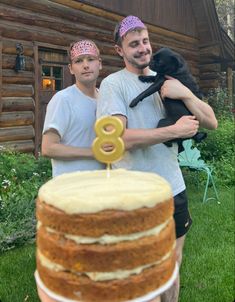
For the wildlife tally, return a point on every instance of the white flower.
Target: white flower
(6, 182)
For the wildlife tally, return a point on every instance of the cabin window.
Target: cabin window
(52, 78)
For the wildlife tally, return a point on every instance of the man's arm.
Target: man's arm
(53, 148)
(187, 126)
(174, 89)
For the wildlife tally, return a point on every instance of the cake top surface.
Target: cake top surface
(93, 191)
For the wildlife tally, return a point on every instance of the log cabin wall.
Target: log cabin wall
(54, 25)
(209, 46)
(18, 103)
(176, 16)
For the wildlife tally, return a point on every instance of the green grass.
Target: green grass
(17, 275)
(208, 264)
(207, 273)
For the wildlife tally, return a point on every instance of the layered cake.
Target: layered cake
(105, 237)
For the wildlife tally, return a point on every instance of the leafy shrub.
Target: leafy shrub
(221, 103)
(21, 175)
(218, 149)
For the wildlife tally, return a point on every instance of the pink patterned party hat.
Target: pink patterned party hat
(128, 23)
(84, 47)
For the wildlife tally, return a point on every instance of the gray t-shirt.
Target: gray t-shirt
(73, 115)
(115, 94)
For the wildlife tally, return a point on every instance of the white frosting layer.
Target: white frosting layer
(94, 191)
(99, 276)
(111, 239)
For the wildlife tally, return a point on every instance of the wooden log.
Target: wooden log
(50, 22)
(209, 84)
(15, 90)
(158, 41)
(209, 75)
(194, 70)
(18, 104)
(62, 11)
(16, 133)
(11, 119)
(210, 67)
(21, 146)
(26, 33)
(12, 77)
(210, 51)
(112, 60)
(9, 63)
(107, 70)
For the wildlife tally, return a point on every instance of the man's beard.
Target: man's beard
(138, 65)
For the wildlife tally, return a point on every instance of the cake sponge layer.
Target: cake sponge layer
(114, 222)
(81, 288)
(105, 258)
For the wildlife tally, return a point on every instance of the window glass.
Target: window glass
(48, 84)
(58, 84)
(52, 78)
(57, 71)
(46, 71)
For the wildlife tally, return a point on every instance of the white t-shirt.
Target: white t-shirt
(115, 94)
(73, 115)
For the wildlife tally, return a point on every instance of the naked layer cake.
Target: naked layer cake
(105, 238)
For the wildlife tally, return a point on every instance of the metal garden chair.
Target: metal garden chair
(190, 158)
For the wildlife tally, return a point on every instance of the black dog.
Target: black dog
(167, 62)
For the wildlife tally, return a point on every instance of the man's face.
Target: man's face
(136, 50)
(85, 68)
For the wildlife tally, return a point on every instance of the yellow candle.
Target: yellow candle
(112, 136)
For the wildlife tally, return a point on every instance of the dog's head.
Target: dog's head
(167, 62)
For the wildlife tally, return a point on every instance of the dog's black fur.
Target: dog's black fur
(167, 62)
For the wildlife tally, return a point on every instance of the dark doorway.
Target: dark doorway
(54, 75)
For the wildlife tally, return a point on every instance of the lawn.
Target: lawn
(207, 273)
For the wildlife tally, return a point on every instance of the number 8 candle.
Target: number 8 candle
(110, 137)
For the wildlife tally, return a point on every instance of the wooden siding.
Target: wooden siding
(176, 16)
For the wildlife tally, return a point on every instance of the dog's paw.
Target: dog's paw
(200, 136)
(142, 78)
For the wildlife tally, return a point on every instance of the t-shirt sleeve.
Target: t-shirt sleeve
(57, 115)
(110, 100)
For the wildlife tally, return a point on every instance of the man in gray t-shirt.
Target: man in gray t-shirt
(68, 130)
(145, 150)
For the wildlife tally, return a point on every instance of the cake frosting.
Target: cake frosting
(74, 193)
(105, 237)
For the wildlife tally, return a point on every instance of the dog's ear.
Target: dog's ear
(177, 62)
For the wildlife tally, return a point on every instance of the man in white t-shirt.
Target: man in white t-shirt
(69, 123)
(145, 150)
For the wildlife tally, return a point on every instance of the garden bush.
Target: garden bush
(221, 103)
(218, 148)
(21, 175)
